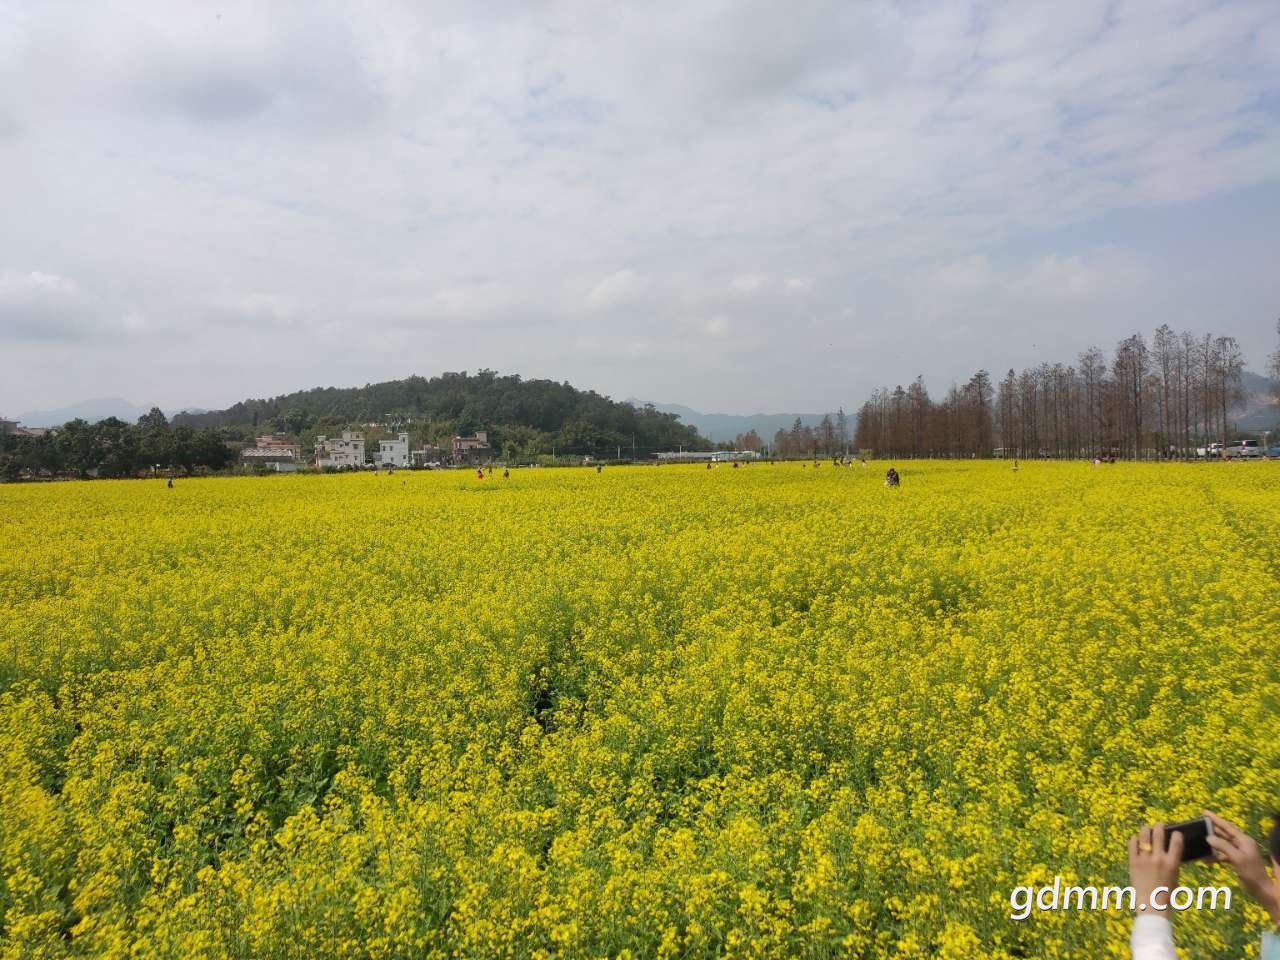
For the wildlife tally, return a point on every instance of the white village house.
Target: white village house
(345, 452)
(394, 453)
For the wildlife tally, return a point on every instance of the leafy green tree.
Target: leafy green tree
(117, 447)
(153, 442)
(211, 450)
(185, 449)
(77, 448)
(292, 422)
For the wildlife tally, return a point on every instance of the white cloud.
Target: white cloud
(1106, 274)
(44, 306)
(747, 283)
(258, 309)
(971, 274)
(717, 326)
(616, 290)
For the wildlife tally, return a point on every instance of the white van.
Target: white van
(1242, 450)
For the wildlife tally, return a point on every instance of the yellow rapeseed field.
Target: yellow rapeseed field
(774, 711)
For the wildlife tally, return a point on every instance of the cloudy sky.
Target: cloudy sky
(739, 206)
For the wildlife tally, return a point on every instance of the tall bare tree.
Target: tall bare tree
(1093, 374)
(919, 408)
(1273, 365)
(1129, 368)
(1029, 413)
(1164, 355)
(1007, 426)
(1228, 365)
(1187, 388)
(826, 435)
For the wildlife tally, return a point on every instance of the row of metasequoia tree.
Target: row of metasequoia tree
(1161, 398)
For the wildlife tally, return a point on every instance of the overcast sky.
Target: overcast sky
(738, 206)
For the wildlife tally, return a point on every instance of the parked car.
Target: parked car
(1242, 450)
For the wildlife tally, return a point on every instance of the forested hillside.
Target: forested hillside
(522, 417)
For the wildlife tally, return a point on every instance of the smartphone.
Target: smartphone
(1195, 838)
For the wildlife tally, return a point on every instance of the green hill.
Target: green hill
(524, 418)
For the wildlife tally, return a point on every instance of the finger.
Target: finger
(1158, 840)
(1144, 838)
(1222, 848)
(1175, 846)
(1224, 827)
(1234, 840)
(1229, 846)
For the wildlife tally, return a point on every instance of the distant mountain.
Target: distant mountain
(90, 410)
(1259, 410)
(1255, 382)
(721, 427)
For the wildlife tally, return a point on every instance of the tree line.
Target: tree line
(113, 448)
(524, 419)
(1161, 398)
(829, 438)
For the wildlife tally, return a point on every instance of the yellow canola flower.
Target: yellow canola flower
(767, 712)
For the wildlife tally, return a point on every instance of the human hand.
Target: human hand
(1233, 846)
(1151, 866)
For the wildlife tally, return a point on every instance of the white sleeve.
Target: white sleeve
(1152, 938)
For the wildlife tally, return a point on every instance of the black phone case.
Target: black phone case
(1195, 839)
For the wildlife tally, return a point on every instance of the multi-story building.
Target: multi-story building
(472, 449)
(394, 453)
(17, 429)
(347, 451)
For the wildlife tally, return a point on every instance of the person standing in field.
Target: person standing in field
(1153, 868)
(891, 479)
